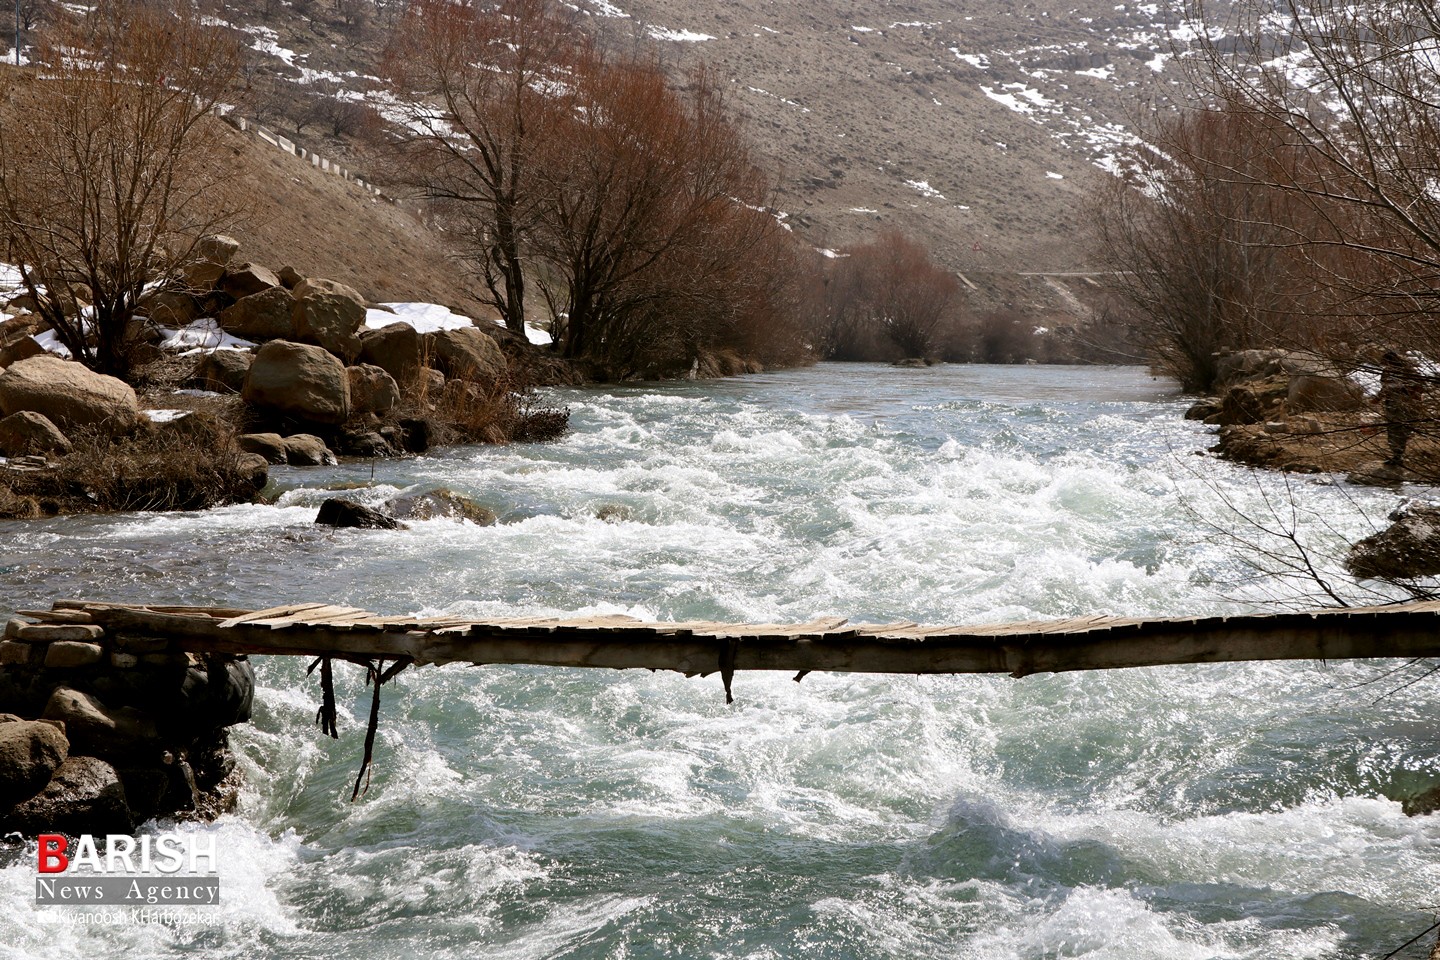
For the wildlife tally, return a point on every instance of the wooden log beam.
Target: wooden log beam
(1018, 649)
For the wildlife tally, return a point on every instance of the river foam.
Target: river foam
(1214, 811)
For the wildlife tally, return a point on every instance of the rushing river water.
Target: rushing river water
(1187, 812)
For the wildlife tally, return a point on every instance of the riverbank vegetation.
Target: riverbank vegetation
(1293, 207)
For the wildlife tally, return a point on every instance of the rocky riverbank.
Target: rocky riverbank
(241, 367)
(101, 732)
(1299, 413)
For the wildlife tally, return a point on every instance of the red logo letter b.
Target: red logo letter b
(52, 853)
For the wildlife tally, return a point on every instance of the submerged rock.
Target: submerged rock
(346, 513)
(1408, 548)
(440, 504)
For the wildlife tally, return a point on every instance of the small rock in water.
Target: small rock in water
(346, 513)
(441, 503)
(1422, 804)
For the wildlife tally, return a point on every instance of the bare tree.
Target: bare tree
(650, 198)
(1357, 86)
(103, 174)
(488, 84)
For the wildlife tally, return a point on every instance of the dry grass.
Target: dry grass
(505, 411)
(158, 467)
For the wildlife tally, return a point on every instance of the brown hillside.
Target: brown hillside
(316, 222)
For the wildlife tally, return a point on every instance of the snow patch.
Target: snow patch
(1054, 176)
(923, 187)
(202, 336)
(678, 36)
(424, 317)
(164, 416)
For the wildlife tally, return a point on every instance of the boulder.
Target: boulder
(361, 442)
(29, 432)
(68, 394)
(1202, 409)
(317, 285)
(271, 446)
(30, 752)
(1376, 473)
(85, 795)
(1317, 393)
(290, 278)
(329, 314)
(22, 349)
(246, 279)
(69, 654)
(253, 469)
(298, 380)
(1408, 548)
(99, 731)
(307, 450)
(170, 308)
(336, 512)
(266, 315)
(1242, 365)
(1253, 401)
(440, 504)
(467, 354)
(418, 434)
(217, 248)
(221, 371)
(372, 390)
(395, 348)
(18, 328)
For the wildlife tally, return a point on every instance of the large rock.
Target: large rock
(221, 371)
(100, 731)
(28, 432)
(247, 279)
(217, 248)
(1408, 548)
(329, 314)
(395, 348)
(68, 394)
(372, 390)
(84, 796)
(467, 354)
(1242, 365)
(1318, 393)
(307, 450)
(298, 380)
(22, 349)
(30, 752)
(336, 512)
(170, 308)
(271, 446)
(267, 315)
(1253, 402)
(211, 256)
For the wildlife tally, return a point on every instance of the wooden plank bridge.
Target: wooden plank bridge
(386, 645)
(319, 630)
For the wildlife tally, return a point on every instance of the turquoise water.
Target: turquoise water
(1218, 811)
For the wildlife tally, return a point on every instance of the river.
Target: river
(1188, 812)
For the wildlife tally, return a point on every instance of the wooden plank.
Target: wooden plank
(1019, 649)
(271, 613)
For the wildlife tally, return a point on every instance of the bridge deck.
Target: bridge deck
(1018, 649)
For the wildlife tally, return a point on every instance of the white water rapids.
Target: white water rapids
(1244, 810)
